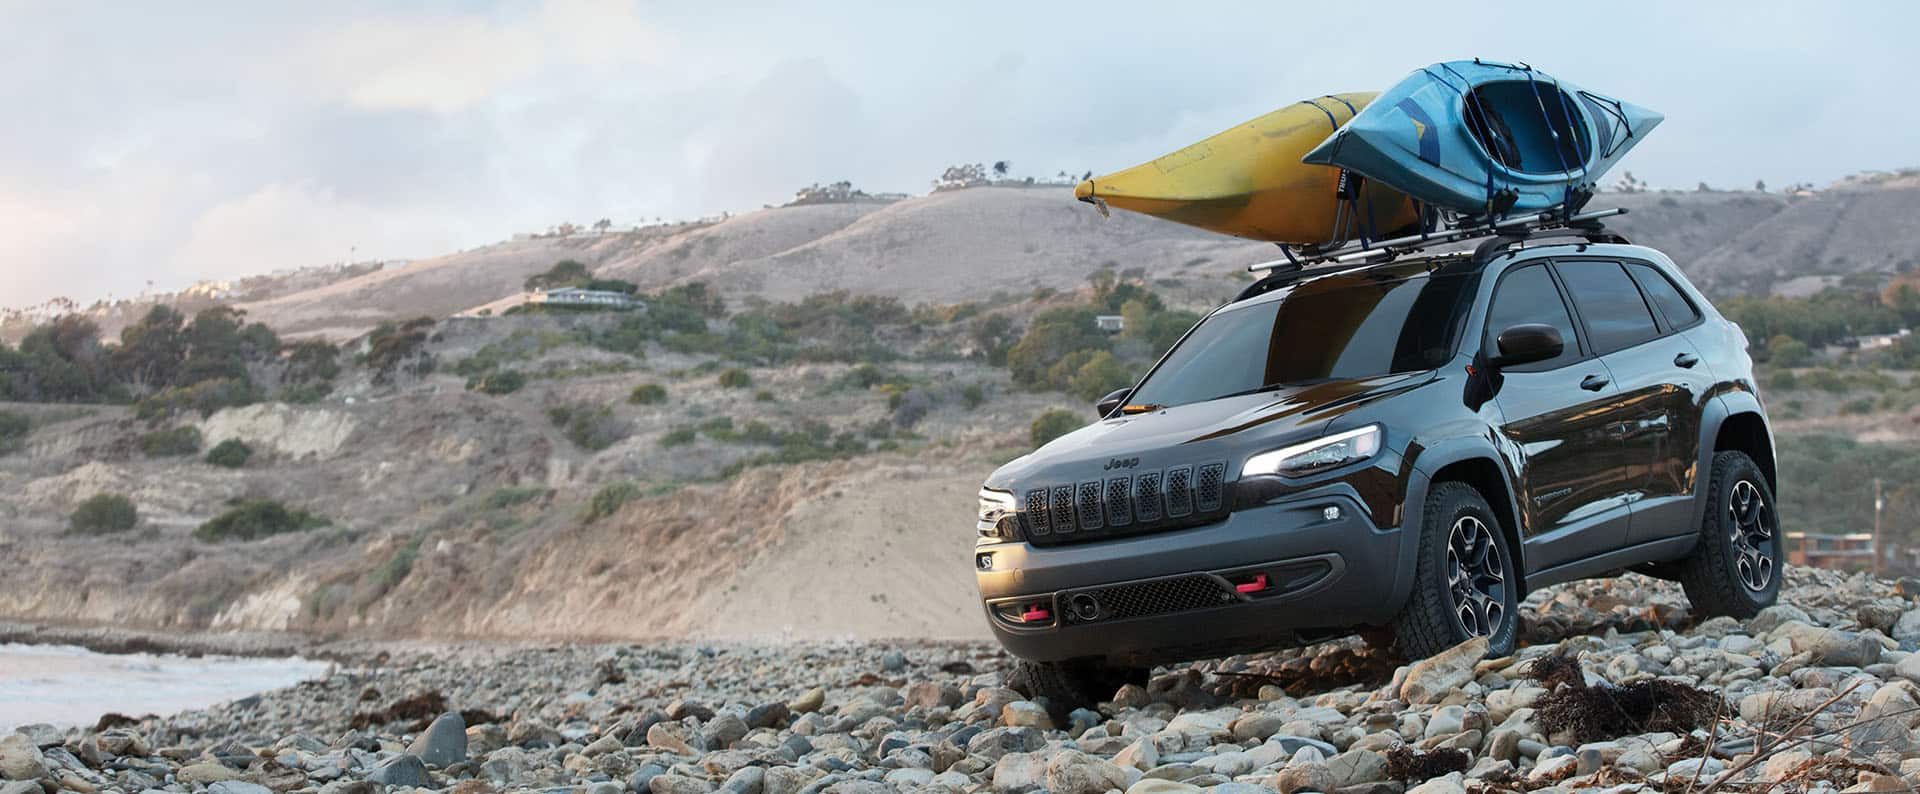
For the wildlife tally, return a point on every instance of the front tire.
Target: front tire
(1069, 685)
(1465, 582)
(1736, 566)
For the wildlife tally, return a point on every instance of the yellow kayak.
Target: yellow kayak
(1249, 182)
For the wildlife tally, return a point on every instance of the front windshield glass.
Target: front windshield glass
(1344, 325)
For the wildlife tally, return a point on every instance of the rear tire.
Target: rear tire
(1073, 684)
(1736, 566)
(1465, 581)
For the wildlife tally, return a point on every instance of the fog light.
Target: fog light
(983, 561)
(1332, 513)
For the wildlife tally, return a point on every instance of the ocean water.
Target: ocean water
(66, 685)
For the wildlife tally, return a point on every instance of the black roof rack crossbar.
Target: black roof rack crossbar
(1519, 228)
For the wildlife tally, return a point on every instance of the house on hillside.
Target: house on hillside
(585, 298)
(1110, 323)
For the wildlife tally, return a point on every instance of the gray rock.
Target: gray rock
(1771, 618)
(20, 759)
(747, 780)
(1074, 772)
(894, 661)
(678, 784)
(237, 787)
(444, 743)
(1831, 647)
(723, 731)
(405, 770)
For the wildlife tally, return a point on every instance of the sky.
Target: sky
(164, 143)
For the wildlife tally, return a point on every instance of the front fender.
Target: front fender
(1429, 461)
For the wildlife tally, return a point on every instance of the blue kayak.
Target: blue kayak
(1486, 139)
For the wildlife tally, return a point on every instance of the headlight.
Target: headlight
(1319, 454)
(995, 507)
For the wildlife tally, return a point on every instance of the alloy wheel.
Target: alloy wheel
(1751, 534)
(1476, 577)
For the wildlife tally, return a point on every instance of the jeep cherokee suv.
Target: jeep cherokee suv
(1410, 446)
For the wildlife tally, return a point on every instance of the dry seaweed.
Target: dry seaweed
(417, 709)
(1409, 765)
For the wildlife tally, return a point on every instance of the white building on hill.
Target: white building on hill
(575, 296)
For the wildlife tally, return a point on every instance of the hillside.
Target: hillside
(969, 244)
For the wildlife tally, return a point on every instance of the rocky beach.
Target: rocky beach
(1615, 688)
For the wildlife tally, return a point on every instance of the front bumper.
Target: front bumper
(1262, 577)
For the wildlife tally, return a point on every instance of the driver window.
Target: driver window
(1528, 295)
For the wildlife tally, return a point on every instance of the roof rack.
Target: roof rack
(1507, 232)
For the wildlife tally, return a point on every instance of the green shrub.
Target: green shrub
(514, 496)
(103, 514)
(13, 430)
(763, 396)
(1053, 424)
(1102, 373)
(231, 453)
(1054, 336)
(506, 381)
(182, 440)
(589, 427)
(648, 394)
(249, 519)
(678, 437)
(735, 378)
(609, 499)
(204, 398)
(972, 395)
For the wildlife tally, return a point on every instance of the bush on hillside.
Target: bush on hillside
(589, 427)
(514, 496)
(103, 514)
(1053, 424)
(678, 437)
(648, 394)
(609, 499)
(1053, 335)
(1102, 373)
(250, 519)
(182, 440)
(506, 381)
(735, 379)
(231, 453)
(13, 430)
(203, 398)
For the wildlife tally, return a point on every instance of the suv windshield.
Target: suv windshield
(1345, 325)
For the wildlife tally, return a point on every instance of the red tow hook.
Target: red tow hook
(1258, 584)
(1035, 613)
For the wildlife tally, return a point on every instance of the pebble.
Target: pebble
(819, 718)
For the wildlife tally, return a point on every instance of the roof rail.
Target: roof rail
(1586, 224)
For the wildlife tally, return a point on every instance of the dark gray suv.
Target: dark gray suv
(1411, 446)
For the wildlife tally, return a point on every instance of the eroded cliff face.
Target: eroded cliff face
(458, 516)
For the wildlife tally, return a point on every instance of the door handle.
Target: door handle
(1686, 360)
(1593, 382)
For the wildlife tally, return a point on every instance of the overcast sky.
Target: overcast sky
(169, 142)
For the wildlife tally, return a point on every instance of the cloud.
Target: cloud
(449, 62)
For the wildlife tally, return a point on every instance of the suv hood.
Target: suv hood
(1224, 430)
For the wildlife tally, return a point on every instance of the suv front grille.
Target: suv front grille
(1151, 501)
(1155, 597)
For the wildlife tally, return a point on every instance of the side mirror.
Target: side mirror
(1527, 343)
(1111, 403)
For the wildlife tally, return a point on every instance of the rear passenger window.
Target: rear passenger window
(1617, 317)
(1527, 295)
(1666, 297)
